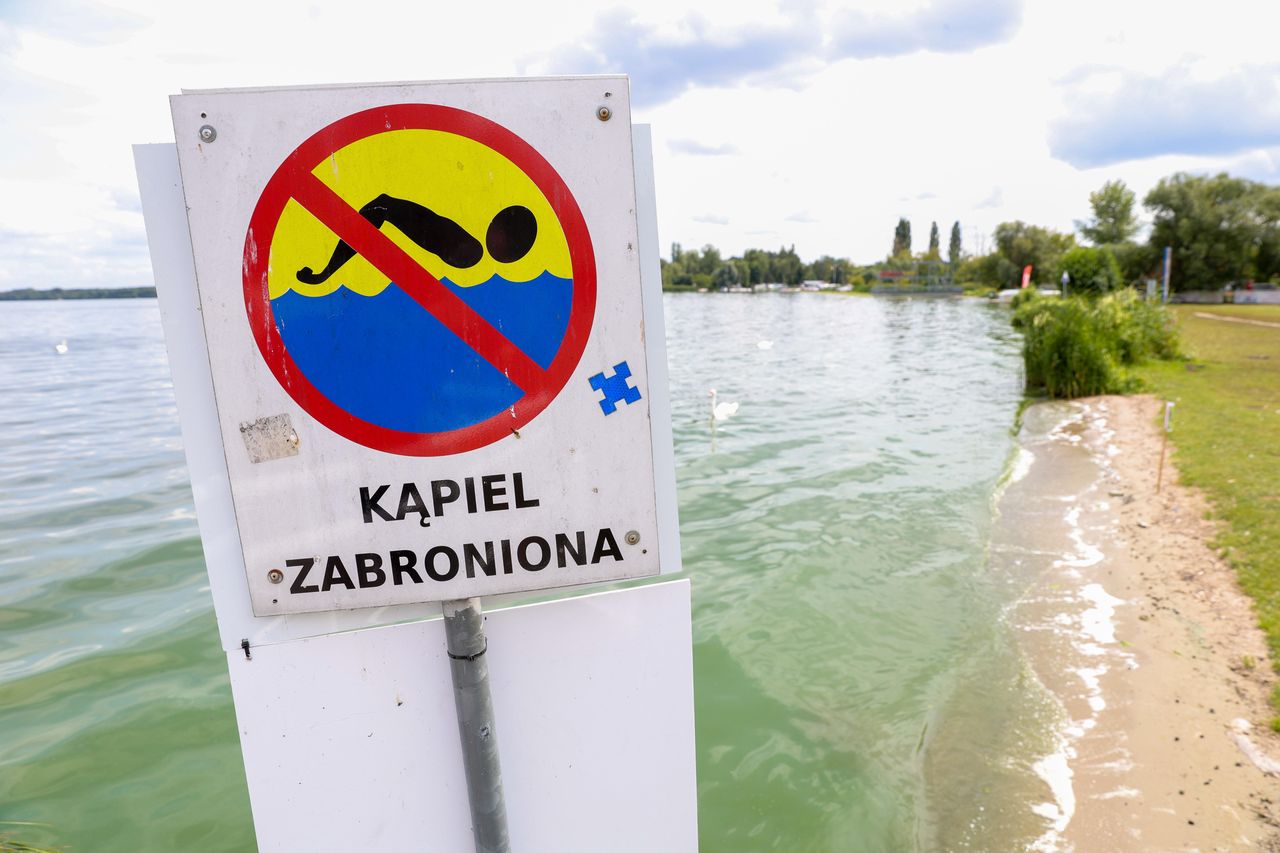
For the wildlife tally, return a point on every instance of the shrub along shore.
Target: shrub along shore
(1081, 346)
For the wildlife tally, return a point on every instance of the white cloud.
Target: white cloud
(701, 149)
(993, 199)
(761, 109)
(1115, 115)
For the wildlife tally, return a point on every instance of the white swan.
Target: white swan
(721, 411)
(61, 347)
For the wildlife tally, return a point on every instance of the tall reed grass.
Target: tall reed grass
(1081, 346)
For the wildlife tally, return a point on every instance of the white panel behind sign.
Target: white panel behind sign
(363, 472)
(350, 740)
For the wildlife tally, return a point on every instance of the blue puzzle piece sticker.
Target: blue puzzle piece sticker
(615, 388)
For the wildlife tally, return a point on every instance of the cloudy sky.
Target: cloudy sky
(798, 122)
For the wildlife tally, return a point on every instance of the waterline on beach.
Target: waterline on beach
(1067, 621)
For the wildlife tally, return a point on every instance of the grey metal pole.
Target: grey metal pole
(465, 640)
(1168, 264)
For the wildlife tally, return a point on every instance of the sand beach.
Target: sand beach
(1138, 629)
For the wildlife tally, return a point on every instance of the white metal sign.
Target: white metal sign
(353, 736)
(427, 337)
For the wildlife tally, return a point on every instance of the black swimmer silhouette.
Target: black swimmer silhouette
(509, 238)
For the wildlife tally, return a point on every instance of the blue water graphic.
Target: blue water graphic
(390, 362)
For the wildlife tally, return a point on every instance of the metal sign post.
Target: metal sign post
(1168, 265)
(465, 640)
(1164, 442)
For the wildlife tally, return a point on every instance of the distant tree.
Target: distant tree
(901, 239)
(1022, 244)
(726, 276)
(953, 251)
(1267, 258)
(710, 260)
(993, 270)
(828, 269)
(789, 269)
(1092, 269)
(757, 261)
(1221, 228)
(1113, 220)
(935, 249)
(1137, 260)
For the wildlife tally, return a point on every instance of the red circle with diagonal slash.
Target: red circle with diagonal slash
(294, 180)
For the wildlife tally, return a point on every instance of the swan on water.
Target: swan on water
(721, 411)
(764, 344)
(61, 347)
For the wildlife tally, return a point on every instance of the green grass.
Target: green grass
(1265, 313)
(1227, 435)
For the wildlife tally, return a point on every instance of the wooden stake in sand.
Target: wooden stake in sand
(1164, 441)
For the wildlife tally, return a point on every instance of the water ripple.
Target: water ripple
(836, 533)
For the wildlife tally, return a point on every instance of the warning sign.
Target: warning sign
(428, 341)
(442, 226)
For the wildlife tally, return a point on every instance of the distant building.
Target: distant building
(917, 277)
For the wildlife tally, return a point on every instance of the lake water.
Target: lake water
(847, 621)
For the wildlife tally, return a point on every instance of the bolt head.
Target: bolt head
(604, 113)
(208, 133)
(275, 576)
(632, 537)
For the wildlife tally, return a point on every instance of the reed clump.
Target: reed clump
(1081, 345)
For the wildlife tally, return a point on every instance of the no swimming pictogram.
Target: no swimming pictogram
(419, 279)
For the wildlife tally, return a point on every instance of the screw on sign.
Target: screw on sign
(419, 279)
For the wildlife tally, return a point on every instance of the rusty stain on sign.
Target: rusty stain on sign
(269, 438)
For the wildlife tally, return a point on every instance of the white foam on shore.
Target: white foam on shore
(1093, 636)
(1098, 622)
(1021, 465)
(1086, 554)
(1055, 770)
(1118, 793)
(1087, 621)
(1016, 470)
(1092, 678)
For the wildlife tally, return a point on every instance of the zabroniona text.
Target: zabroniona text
(445, 562)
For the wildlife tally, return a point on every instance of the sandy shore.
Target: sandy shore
(1141, 634)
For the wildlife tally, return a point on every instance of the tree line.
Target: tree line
(707, 268)
(1221, 230)
(29, 293)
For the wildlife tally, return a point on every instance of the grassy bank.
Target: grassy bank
(1227, 438)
